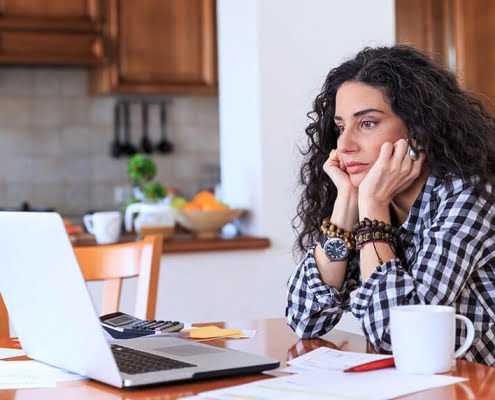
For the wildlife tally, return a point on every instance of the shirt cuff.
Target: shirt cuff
(324, 294)
(389, 281)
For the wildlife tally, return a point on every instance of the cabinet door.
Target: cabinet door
(456, 33)
(57, 32)
(475, 47)
(162, 46)
(428, 26)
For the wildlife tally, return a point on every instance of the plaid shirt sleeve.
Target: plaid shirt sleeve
(314, 308)
(452, 242)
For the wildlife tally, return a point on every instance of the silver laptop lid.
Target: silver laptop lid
(47, 298)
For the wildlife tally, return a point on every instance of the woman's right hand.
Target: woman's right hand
(335, 169)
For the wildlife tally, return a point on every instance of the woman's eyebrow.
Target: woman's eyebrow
(360, 113)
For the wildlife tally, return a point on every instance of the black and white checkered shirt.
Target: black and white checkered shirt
(449, 246)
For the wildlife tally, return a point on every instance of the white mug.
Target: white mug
(423, 338)
(104, 225)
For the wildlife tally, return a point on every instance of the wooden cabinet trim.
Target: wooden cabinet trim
(89, 20)
(50, 48)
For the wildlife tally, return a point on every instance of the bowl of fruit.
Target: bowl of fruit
(204, 215)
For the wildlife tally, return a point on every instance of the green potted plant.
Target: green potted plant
(149, 212)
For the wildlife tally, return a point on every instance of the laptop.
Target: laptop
(56, 322)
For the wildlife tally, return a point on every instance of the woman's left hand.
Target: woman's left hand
(392, 173)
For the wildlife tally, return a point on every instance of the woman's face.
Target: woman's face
(365, 120)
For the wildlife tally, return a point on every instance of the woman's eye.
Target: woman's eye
(368, 124)
(340, 128)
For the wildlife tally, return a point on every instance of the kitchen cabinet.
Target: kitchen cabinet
(158, 46)
(57, 32)
(458, 34)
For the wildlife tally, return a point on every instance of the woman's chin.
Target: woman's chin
(356, 179)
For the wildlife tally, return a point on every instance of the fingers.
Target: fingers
(332, 161)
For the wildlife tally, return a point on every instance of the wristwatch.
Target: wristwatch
(334, 247)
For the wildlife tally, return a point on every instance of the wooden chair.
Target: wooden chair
(111, 264)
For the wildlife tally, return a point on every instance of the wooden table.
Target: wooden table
(275, 339)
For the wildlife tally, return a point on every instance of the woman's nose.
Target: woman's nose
(347, 141)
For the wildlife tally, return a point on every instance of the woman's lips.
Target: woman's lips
(354, 168)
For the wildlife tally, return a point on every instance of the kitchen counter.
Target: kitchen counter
(188, 244)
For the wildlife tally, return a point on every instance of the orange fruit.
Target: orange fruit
(192, 206)
(214, 206)
(204, 197)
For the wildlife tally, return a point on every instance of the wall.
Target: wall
(55, 141)
(273, 58)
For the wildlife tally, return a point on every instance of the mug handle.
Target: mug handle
(469, 336)
(88, 223)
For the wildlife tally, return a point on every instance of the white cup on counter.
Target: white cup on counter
(104, 225)
(424, 336)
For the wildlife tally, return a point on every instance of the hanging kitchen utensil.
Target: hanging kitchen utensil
(115, 146)
(164, 146)
(128, 147)
(146, 144)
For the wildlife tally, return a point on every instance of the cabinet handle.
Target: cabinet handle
(97, 49)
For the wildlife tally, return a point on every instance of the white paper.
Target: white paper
(327, 359)
(30, 374)
(325, 385)
(7, 353)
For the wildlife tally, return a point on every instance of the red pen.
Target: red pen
(371, 366)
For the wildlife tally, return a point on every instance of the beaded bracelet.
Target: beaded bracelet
(373, 234)
(368, 231)
(332, 230)
(380, 225)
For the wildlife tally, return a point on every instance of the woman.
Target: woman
(397, 147)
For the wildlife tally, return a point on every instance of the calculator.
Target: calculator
(122, 322)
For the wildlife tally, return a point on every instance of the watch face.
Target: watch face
(336, 249)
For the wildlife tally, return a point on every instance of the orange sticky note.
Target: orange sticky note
(209, 332)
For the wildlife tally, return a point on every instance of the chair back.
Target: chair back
(111, 264)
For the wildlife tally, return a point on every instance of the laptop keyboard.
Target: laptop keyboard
(133, 362)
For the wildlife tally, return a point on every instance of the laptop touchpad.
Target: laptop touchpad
(188, 350)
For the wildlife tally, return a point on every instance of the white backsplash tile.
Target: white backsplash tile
(3, 190)
(17, 81)
(75, 198)
(17, 193)
(47, 111)
(18, 169)
(75, 169)
(46, 82)
(47, 169)
(73, 82)
(46, 194)
(46, 141)
(103, 169)
(76, 139)
(55, 141)
(18, 111)
(101, 111)
(75, 110)
(16, 141)
(102, 197)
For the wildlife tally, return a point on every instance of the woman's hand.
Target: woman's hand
(392, 173)
(335, 169)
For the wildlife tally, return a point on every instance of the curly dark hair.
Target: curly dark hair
(454, 128)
